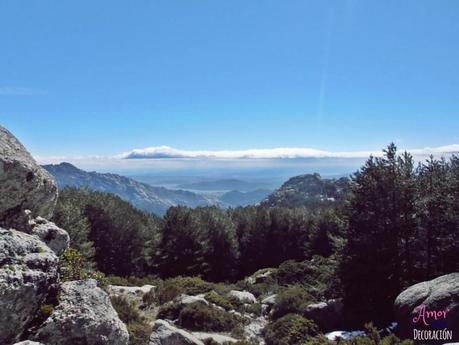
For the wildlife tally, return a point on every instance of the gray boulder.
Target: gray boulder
(55, 238)
(28, 271)
(24, 185)
(188, 299)
(84, 315)
(243, 296)
(327, 315)
(439, 294)
(28, 342)
(165, 333)
(215, 337)
(129, 291)
(259, 278)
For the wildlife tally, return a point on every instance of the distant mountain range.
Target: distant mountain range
(236, 198)
(149, 198)
(141, 195)
(308, 190)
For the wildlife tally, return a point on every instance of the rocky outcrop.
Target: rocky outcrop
(270, 300)
(260, 278)
(437, 295)
(129, 291)
(84, 316)
(55, 238)
(187, 299)
(243, 296)
(165, 333)
(24, 185)
(215, 337)
(254, 329)
(327, 315)
(28, 271)
(81, 313)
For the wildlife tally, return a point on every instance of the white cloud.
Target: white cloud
(166, 159)
(166, 152)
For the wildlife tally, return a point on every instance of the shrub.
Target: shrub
(139, 332)
(150, 297)
(291, 329)
(169, 311)
(254, 308)
(138, 327)
(127, 311)
(169, 289)
(133, 280)
(293, 299)
(201, 317)
(46, 310)
(220, 300)
(317, 275)
(73, 266)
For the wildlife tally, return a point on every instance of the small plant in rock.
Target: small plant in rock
(46, 310)
(73, 266)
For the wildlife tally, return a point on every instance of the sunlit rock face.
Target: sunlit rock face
(24, 185)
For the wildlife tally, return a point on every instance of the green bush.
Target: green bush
(254, 308)
(127, 311)
(220, 300)
(293, 299)
(171, 288)
(291, 329)
(46, 310)
(168, 291)
(73, 266)
(139, 332)
(133, 280)
(138, 327)
(206, 318)
(317, 275)
(169, 311)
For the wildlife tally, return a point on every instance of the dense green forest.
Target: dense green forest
(398, 224)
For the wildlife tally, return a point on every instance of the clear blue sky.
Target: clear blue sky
(104, 77)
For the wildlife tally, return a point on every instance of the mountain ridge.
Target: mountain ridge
(308, 190)
(141, 195)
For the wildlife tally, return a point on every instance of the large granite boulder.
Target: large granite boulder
(327, 315)
(83, 316)
(437, 295)
(24, 185)
(28, 271)
(243, 296)
(165, 333)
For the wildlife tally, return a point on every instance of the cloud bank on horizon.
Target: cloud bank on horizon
(165, 159)
(166, 152)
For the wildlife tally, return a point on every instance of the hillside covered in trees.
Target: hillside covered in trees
(396, 224)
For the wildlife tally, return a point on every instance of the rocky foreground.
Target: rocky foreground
(34, 305)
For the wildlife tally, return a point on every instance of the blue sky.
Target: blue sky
(106, 77)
